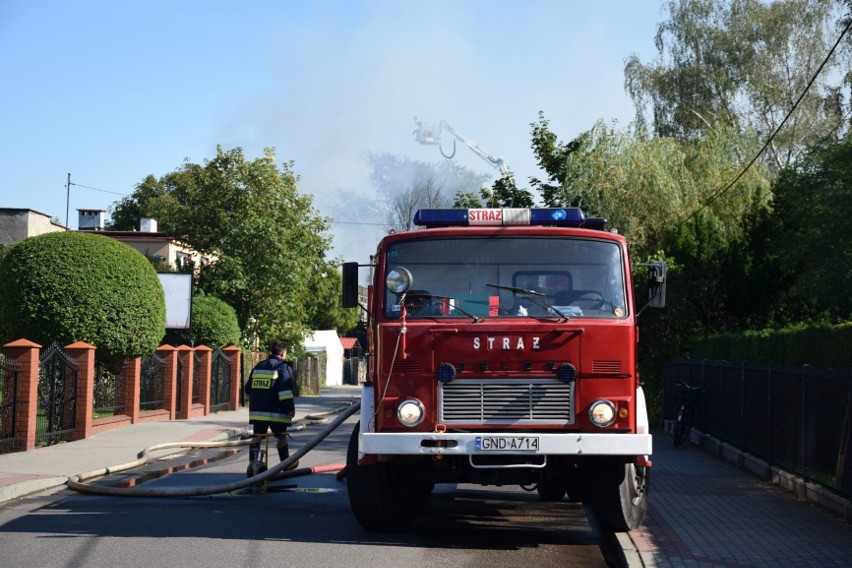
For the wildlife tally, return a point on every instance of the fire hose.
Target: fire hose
(77, 482)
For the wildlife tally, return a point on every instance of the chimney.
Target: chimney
(90, 219)
(147, 225)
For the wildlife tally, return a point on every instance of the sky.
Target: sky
(112, 92)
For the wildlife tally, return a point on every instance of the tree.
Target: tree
(652, 189)
(506, 193)
(406, 185)
(267, 236)
(742, 62)
(810, 232)
(68, 287)
(325, 310)
(214, 323)
(554, 158)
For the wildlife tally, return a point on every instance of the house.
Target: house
(19, 224)
(147, 240)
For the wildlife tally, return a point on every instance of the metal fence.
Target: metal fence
(220, 381)
(8, 403)
(109, 390)
(57, 397)
(179, 385)
(152, 383)
(796, 418)
(196, 378)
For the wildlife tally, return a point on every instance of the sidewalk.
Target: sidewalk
(49, 467)
(705, 512)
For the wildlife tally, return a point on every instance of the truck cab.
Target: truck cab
(502, 350)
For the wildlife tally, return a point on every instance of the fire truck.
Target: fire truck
(502, 351)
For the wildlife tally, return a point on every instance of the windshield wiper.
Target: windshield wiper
(421, 295)
(537, 297)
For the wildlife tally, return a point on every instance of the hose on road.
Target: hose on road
(77, 482)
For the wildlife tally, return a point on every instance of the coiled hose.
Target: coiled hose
(76, 482)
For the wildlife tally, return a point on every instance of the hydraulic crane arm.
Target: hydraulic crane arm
(432, 136)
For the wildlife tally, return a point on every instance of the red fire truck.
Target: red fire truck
(502, 350)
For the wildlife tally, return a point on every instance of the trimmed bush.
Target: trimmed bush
(819, 346)
(214, 323)
(70, 286)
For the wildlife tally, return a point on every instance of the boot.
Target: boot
(284, 453)
(254, 449)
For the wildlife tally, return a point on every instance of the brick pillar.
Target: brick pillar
(84, 355)
(234, 354)
(205, 355)
(132, 388)
(26, 354)
(169, 355)
(185, 354)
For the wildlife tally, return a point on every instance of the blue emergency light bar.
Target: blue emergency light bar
(554, 217)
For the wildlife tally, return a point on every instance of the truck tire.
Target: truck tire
(621, 498)
(379, 504)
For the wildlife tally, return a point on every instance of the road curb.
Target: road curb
(30, 486)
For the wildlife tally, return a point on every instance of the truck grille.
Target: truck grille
(506, 401)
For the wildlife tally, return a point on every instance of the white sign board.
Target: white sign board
(178, 290)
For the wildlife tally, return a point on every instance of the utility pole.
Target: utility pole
(67, 199)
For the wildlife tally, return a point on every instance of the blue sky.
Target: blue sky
(111, 92)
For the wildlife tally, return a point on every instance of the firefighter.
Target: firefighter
(271, 405)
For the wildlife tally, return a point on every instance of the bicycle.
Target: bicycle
(688, 398)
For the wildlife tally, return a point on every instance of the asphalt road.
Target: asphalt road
(303, 521)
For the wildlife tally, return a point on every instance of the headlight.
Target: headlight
(410, 412)
(398, 280)
(602, 413)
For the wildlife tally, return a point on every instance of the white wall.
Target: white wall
(327, 341)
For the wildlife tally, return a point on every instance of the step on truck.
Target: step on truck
(501, 351)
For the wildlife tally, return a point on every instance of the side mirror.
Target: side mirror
(657, 283)
(350, 285)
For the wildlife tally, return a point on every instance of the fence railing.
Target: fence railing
(152, 389)
(74, 395)
(796, 418)
(109, 392)
(8, 403)
(220, 381)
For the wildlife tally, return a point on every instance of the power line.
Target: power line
(361, 223)
(719, 193)
(101, 190)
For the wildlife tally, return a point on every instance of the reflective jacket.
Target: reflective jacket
(270, 391)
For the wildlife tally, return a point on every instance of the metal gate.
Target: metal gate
(57, 397)
(8, 403)
(220, 381)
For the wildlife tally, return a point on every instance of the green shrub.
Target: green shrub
(818, 345)
(214, 323)
(68, 287)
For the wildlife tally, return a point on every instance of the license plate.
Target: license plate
(507, 444)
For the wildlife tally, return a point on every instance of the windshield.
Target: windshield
(509, 277)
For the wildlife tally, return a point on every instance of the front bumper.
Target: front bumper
(465, 444)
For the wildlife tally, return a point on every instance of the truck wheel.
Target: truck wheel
(378, 503)
(620, 500)
(551, 489)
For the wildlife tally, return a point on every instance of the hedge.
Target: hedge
(819, 346)
(72, 286)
